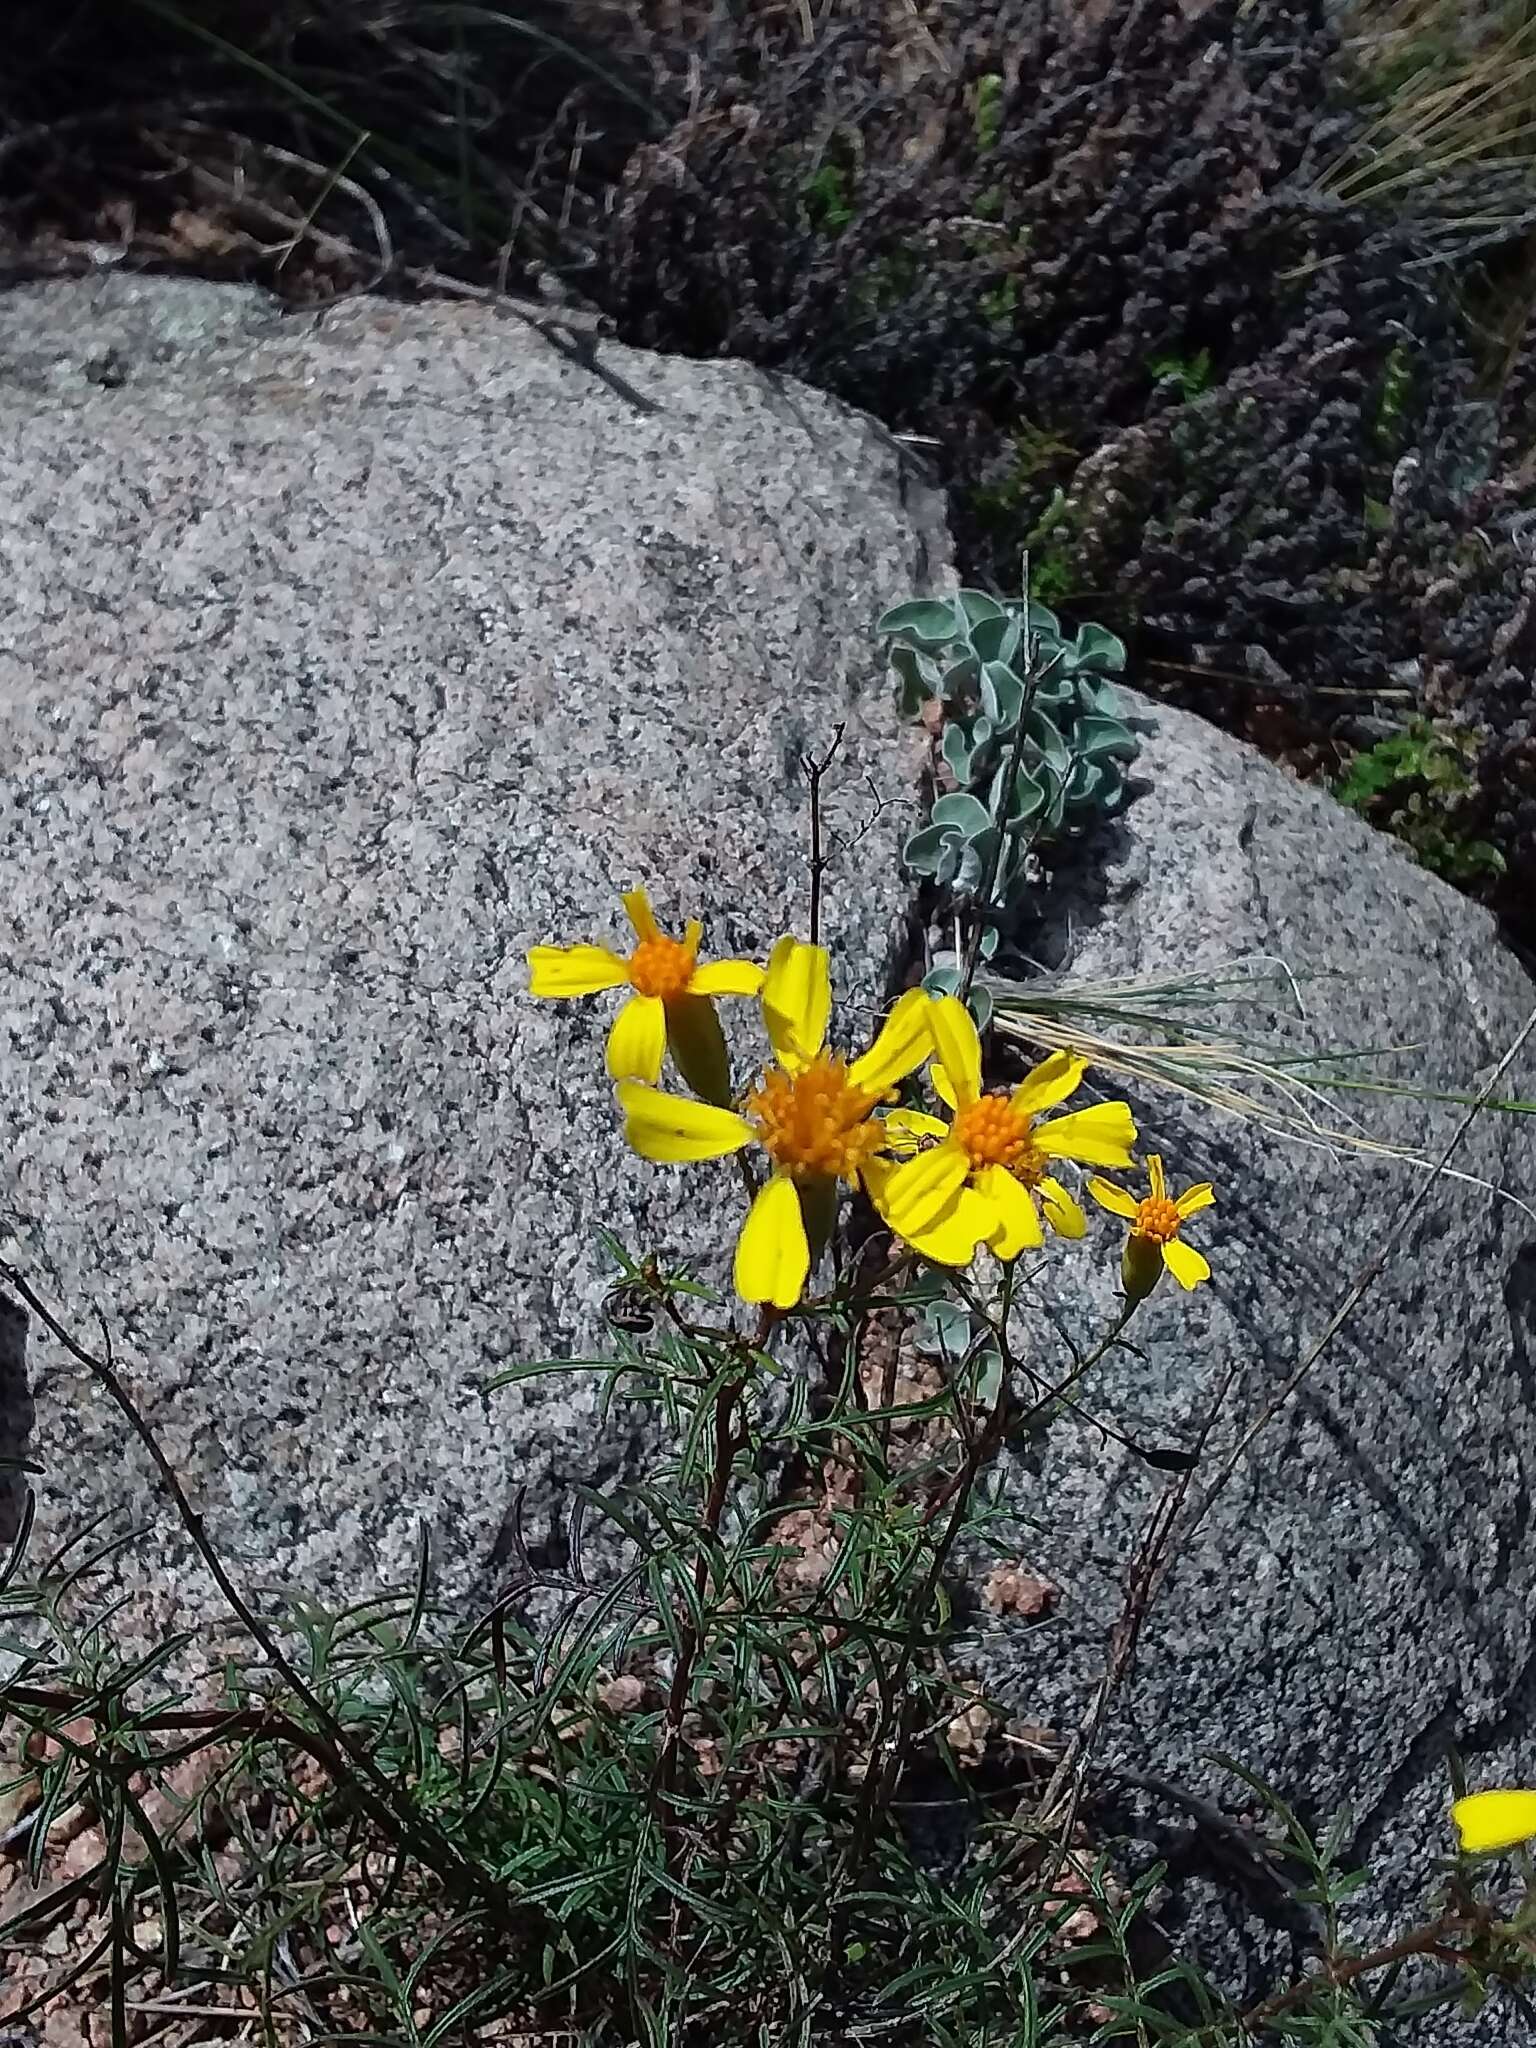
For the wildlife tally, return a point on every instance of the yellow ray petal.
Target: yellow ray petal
(1049, 1083)
(904, 1127)
(726, 978)
(1063, 1211)
(637, 1039)
(1100, 1136)
(958, 1046)
(773, 1255)
(573, 970)
(1156, 1178)
(1194, 1199)
(1017, 1221)
(670, 1128)
(943, 1087)
(1187, 1266)
(797, 1001)
(953, 1239)
(1118, 1201)
(637, 906)
(1494, 1820)
(901, 1045)
(921, 1189)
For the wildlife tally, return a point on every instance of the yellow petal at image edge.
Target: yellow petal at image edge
(671, 1129)
(797, 1001)
(958, 1047)
(1049, 1083)
(1017, 1228)
(1101, 1136)
(1494, 1820)
(637, 1040)
(727, 978)
(1118, 1201)
(773, 1255)
(573, 970)
(901, 1045)
(1187, 1266)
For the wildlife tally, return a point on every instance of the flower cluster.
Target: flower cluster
(816, 1119)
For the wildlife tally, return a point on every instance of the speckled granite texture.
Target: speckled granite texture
(1365, 1590)
(341, 659)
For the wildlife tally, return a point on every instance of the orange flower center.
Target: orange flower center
(994, 1133)
(661, 967)
(1156, 1219)
(816, 1124)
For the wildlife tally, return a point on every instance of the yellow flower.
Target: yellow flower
(812, 1112)
(1154, 1241)
(671, 1001)
(1494, 1820)
(985, 1176)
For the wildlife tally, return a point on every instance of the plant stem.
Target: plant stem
(1431, 1940)
(348, 1759)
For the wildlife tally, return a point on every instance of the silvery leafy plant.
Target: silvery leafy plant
(1032, 734)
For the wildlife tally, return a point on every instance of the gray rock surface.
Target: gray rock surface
(1364, 1591)
(342, 659)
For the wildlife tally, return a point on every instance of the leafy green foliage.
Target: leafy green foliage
(827, 196)
(654, 1793)
(1192, 374)
(1418, 784)
(987, 111)
(1031, 735)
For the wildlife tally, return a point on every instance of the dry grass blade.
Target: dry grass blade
(1458, 94)
(1139, 1033)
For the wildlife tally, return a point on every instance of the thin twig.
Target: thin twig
(1369, 1274)
(814, 774)
(348, 1760)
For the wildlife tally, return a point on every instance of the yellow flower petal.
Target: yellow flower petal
(921, 1189)
(670, 1128)
(637, 1039)
(727, 978)
(573, 970)
(1017, 1226)
(1049, 1083)
(1063, 1211)
(958, 1046)
(797, 1001)
(1118, 1201)
(901, 1045)
(1156, 1177)
(905, 1127)
(1187, 1266)
(773, 1255)
(1494, 1820)
(943, 1087)
(637, 906)
(1194, 1199)
(953, 1239)
(1100, 1136)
